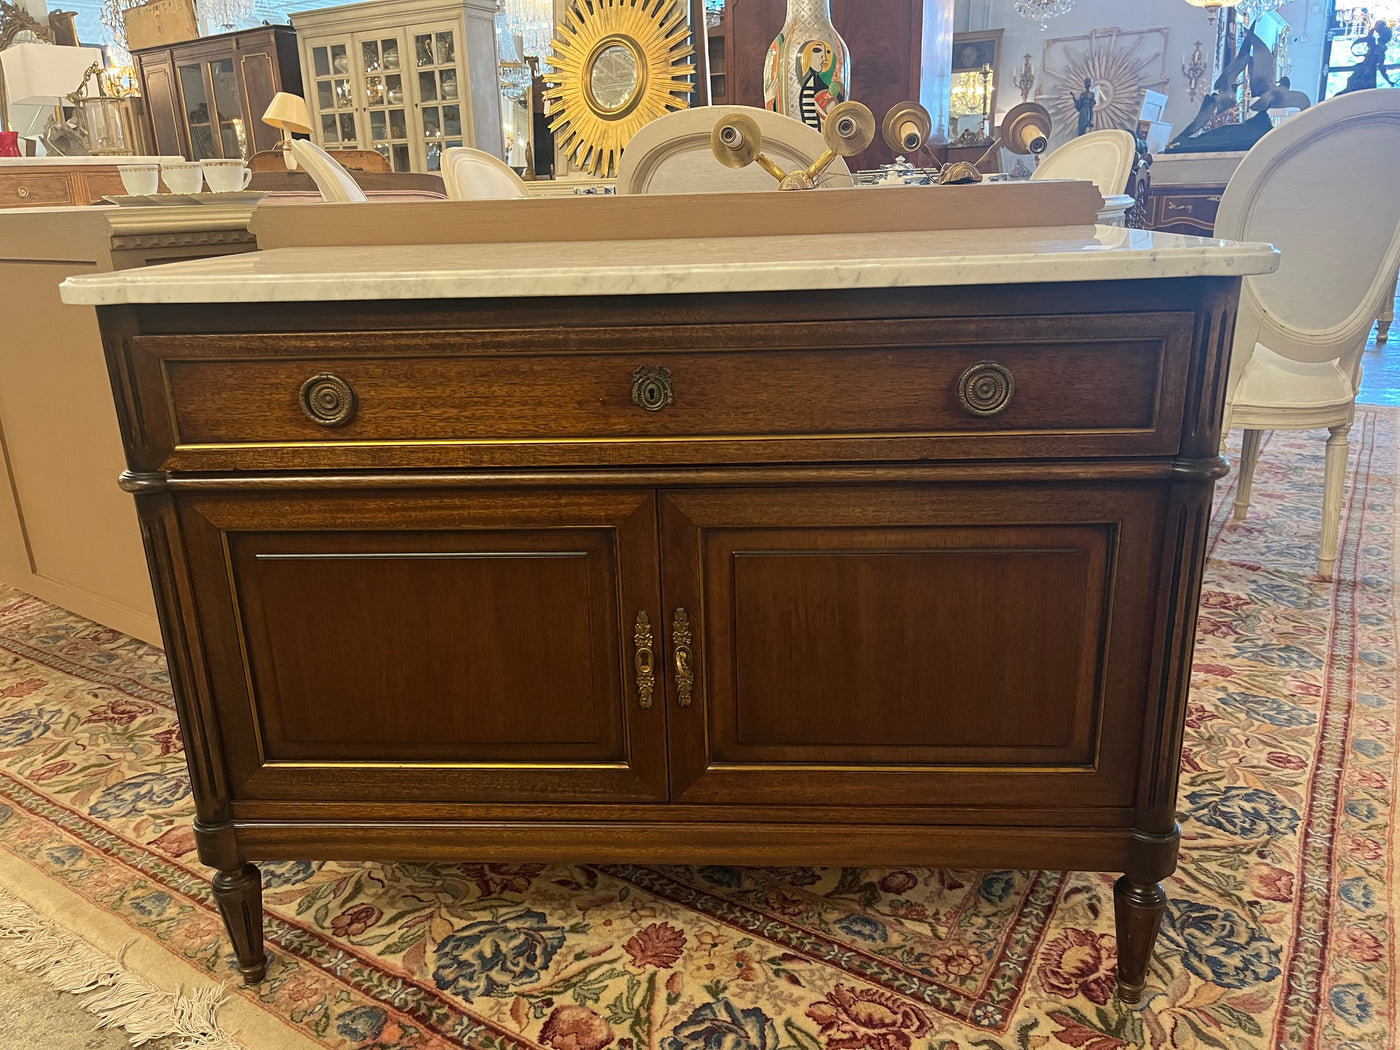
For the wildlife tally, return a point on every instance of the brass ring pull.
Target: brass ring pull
(986, 388)
(328, 400)
(684, 656)
(645, 661)
(652, 388)
(22, 192)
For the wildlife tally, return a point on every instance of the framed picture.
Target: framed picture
(972, 53)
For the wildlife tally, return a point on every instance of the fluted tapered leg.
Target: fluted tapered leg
(1249, 458)
(238, 892)
(1334, 482)
(1137, 910)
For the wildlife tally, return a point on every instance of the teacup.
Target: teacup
(140, 180)
(227, 176)
(184, 177)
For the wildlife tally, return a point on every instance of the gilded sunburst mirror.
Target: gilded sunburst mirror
(617, 65)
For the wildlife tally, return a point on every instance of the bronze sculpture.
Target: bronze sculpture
(1372, 64)
(1085, 104)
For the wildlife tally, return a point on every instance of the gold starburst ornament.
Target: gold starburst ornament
(617, 66)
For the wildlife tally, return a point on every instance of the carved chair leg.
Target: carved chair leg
(1249, 459)
(1138, 908)
(238, 892)
(1334, 481)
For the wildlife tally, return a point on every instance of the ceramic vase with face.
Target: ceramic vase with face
(808, 69)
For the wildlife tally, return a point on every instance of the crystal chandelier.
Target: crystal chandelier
(1357, 21)
(532, 23)
(224, 16)
(515, 72)
(1042, 11)
(1252, 9)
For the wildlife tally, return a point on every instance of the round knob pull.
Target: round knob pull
(986, 388)
(651, 387)
(328, 400)
(23, 192)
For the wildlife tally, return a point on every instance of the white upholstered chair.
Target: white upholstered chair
(1104, 158)
(330, 177)
(1317, 187)
(472, 174)
(672, 154)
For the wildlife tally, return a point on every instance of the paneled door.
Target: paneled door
(496, 645)
(916, 645)
(334, 93)
(438, 65)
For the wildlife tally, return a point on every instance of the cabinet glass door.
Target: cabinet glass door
(199, 118)
(381, 65)
(333, 95)
(439, 107)
(228, 111)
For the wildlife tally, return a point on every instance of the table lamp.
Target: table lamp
(287, 113)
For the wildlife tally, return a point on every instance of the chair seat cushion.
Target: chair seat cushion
(1271, 380)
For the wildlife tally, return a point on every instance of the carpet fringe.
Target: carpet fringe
(105, 987)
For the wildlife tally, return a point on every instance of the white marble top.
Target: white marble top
(652, 267)
(82, 162)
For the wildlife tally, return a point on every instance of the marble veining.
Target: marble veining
(656, 267)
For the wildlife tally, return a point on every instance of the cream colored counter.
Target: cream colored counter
(67, 533)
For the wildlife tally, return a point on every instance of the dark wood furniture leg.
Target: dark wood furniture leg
(238, 892)
(1138, 908)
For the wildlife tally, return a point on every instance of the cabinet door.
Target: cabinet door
(230, 122)
(163, 104)
(948, 645)
(258, 77)
(332, 94)
(387, 88)
(197, 110)
(482, 644)
(439, 77)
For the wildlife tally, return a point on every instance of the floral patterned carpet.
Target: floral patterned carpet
(1279, 932)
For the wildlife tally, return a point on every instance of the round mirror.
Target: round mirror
(613, 80)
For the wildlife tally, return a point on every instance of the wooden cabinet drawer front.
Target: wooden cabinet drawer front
(27, 190)
(1192, 212)
(917, 395)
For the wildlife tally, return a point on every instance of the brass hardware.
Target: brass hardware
(1214, 200)
(328, 400)
(986, 388)
(684, 656)
(651, 387)
(1024, 131)
(737, 142)
(23, 192)
(1174, 206)
(645, 662)
(906, 127)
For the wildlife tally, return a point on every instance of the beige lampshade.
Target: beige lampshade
(288, 112)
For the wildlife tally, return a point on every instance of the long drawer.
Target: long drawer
(33, 189)
(660, 395)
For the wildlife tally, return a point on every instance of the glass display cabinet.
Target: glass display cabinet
(205, 96)
(394, 77)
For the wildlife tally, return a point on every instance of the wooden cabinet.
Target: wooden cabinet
(899, 576)
(206, 97)
(1183, 209)
(407, 79)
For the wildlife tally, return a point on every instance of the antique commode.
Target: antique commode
(839, 548)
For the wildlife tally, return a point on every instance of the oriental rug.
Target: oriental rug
(1280, 928)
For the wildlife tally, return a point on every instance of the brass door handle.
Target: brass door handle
(645, 661)
(328, 399)
(683, 655)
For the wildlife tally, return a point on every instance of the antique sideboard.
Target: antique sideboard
(821, 549)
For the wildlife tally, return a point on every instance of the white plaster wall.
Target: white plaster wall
(1186, 24)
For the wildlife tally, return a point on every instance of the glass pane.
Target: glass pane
(382, 148)
(370, 53)
(340, 58)
(451, 120)
(343, 99)
(202, 141)
(432, 121)
(321, 59)
(325, 95)
(378, 125)
(446, 52)
(330, 131)
(452, 144)
(398, 124)
(393, 93)
(390, 51)
(374, 91)
(347, 127)
(434, 157)
(449, 83)
(197, 116)
(427, 87)
(232, 135)
(423, 49)
(401, 159)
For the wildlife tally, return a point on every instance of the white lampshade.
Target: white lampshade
(42, 74)
(288, 112)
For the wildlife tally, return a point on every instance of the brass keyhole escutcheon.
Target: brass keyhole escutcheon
(652, 388)
(328, 400)
(986, 388)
